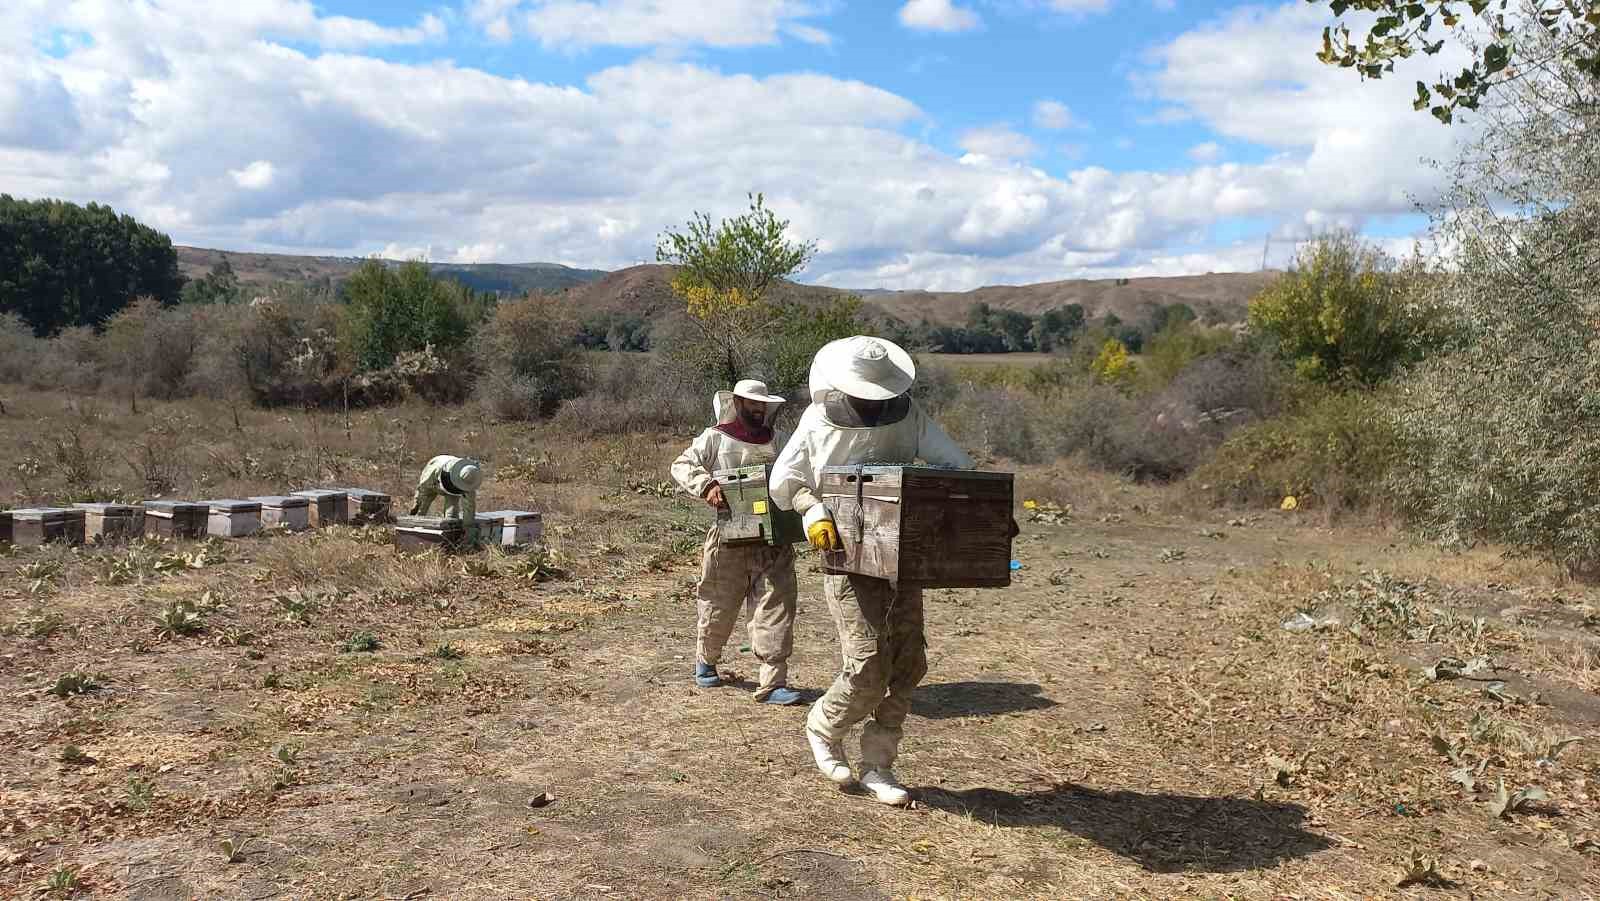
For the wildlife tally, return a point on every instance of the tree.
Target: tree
(724, 273)
(1058, 327)
(220, 285)
(395, 311)
(1502, 430)
(1342, 314)
(1560, 29)
(64, 265)
(800, 332)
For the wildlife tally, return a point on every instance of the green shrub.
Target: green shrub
(1333, 452)
(1346, 314)
(396, 310)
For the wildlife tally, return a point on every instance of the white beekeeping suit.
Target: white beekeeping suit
(860, 413)
(759, 577)
(457, 480)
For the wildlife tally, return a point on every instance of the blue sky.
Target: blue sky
(930, 143)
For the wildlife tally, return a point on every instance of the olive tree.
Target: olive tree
(1505, 429)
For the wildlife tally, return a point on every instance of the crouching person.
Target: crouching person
(759, 577)
(861, 413)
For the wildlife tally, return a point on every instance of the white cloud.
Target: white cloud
(1053, 115)
(650, 23)
(431, 158)
(1208, 152)
(937, 15)
(253, 177)
(996, 142)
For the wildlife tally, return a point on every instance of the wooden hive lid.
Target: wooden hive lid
(280, 500)
(430, 523)
(45, 514)
(107, 509)
(319, 493)
(362, 493)
(175, 506)
(233, 505)
(512, 516)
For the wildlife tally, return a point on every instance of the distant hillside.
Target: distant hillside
(1221, 296)
(260, 269)
(645, 291)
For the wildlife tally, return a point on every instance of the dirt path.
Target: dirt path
(1105, 728)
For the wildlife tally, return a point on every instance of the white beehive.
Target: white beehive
(233, 518)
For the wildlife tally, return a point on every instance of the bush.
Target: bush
(1178, 345)
(19, 349)
(395, 311)
(632, 392)
(1334, 451)
(1504, 429)
(529, 354)
(994, 422)
(1344, 314)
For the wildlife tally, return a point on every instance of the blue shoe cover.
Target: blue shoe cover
(705, 675)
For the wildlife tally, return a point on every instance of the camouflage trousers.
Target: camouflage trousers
(760, 579)
(884, 651)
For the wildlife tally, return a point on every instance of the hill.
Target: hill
(644, 291)
(261, 269)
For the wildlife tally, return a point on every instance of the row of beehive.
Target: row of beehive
(227, 518)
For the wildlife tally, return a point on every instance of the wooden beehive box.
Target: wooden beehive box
(419, 533)
(231, 518)
(111, 522)
(751, 517)
(516, 527)
(327, 507)
(363, 506)
(5, 526)
(175, 519)
(284, 512)
(35, 526)
(920, 527)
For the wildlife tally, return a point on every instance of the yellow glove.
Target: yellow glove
(824, 536)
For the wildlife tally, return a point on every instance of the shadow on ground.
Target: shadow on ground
(948, 700)
(1164, 833)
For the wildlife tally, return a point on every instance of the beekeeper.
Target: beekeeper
(457, 479)
(759, 577)
(860, 412)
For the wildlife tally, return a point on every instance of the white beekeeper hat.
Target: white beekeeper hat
(465, 474)
(749, 389)
(862, 366)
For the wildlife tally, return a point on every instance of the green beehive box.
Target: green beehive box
(751, 516)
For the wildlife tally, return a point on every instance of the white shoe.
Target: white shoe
(830, 758)
(885, 787)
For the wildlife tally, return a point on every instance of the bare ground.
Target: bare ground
(1128, 720)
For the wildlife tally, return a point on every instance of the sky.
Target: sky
(939, 144)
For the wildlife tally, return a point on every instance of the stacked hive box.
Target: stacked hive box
(175, 519)
(326, 508)
(284, 512)
(363, 506)
(920, 527)
(35, 526)
(512, 528)
(111, 522)
(231, 518)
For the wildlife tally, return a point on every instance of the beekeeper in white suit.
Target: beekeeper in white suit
(860, 413)
(758, 576)
(457, 479)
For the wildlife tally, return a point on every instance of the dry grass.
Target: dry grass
(1128, 720)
